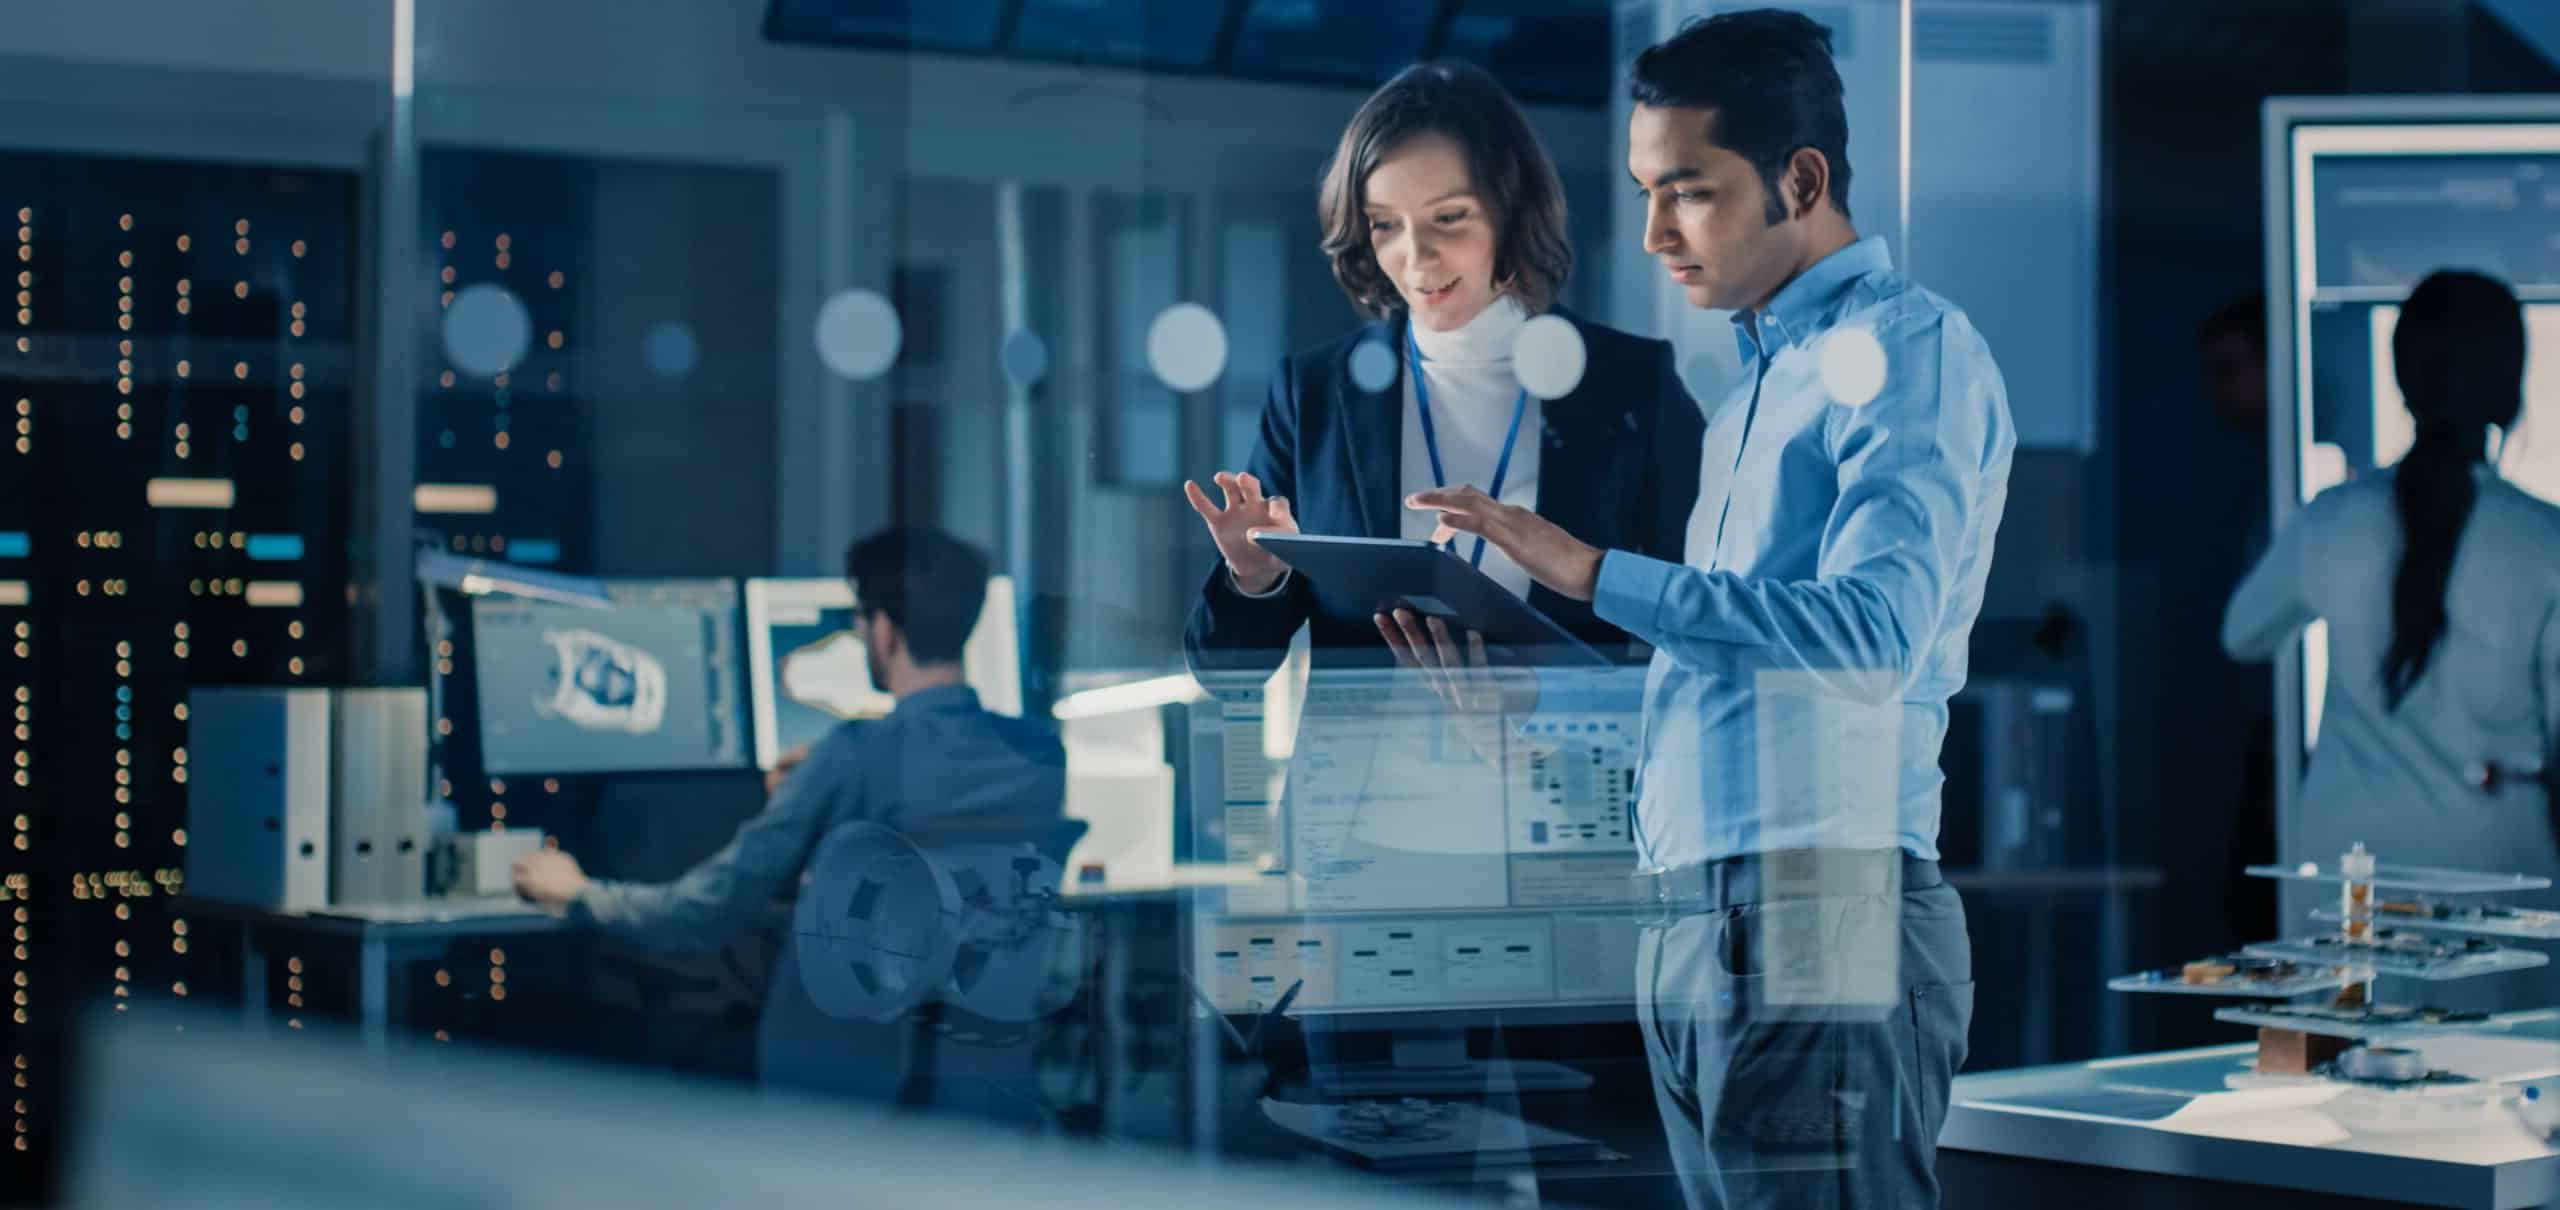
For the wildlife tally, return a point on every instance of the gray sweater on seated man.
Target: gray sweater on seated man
(940, 770)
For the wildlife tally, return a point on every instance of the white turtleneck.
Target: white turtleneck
(1473, 390)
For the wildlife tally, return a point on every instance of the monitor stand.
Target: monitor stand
(1434, 1063)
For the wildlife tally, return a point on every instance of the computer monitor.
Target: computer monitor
(807, 672)
(1439, 876)
(652, 684)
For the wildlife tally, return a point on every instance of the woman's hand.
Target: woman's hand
(1245, 513)
(1479, 694)
(1465, 679)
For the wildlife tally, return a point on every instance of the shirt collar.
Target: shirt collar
(938, 698)
(1799, 308)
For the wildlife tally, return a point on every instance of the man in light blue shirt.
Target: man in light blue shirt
(1807, 982)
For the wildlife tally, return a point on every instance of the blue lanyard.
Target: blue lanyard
(1431, 438)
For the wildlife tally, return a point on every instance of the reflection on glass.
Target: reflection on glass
(486, 330)
(1187, 347)
(1025, 358)
(858, 334)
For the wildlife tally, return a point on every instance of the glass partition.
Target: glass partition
(661, 537)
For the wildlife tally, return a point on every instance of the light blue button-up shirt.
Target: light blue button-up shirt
(1805, 653)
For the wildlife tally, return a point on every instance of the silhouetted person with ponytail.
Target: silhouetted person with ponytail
(2440, 584)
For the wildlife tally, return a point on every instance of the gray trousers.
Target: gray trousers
(1802, 1050)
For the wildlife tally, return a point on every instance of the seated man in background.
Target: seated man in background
(938, 770)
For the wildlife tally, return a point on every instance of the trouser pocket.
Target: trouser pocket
(1941, 1016)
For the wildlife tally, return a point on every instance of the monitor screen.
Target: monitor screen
(651, 684)
(1428, 869)
(807, 671)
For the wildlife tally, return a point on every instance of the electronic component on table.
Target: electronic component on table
(2237, 971)
(2355, 894)
(2373, 1014)
(2381, 1065)
(2235, 975)
(2488, 919)
(479, 863)
(2404, 945)
(2406, 953)
(2347, 1039)
(2342, 1019)
(2488, 913)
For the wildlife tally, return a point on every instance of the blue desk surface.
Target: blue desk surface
(423, 920)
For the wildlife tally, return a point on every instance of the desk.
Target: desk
(2128, 1132)
(382, 934)
(1143, 929)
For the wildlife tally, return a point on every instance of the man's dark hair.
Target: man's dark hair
(2244, 317)
(1767, 76)
(1533, 255)
(930, 583)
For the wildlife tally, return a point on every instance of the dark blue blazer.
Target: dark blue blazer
(1619, 471)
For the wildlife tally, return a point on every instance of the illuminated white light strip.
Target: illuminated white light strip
(2395, 294)
(14, 592)
(284, 593)
(1902, 144)
(2313, 669)
(2315, 680)
(2394, 430)
(189, 493)
(404, 47)
(2209, 1052)
(2306, 276)
(1133, 695)
(456, 498)
(2424, 140)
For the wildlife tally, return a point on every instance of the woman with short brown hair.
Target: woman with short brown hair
(1446, 225)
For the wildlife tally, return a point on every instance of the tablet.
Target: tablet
(1408, 572)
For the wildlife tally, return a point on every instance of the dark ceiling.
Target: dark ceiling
(2228, 45)
(1558, 51)
(1555, 51)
